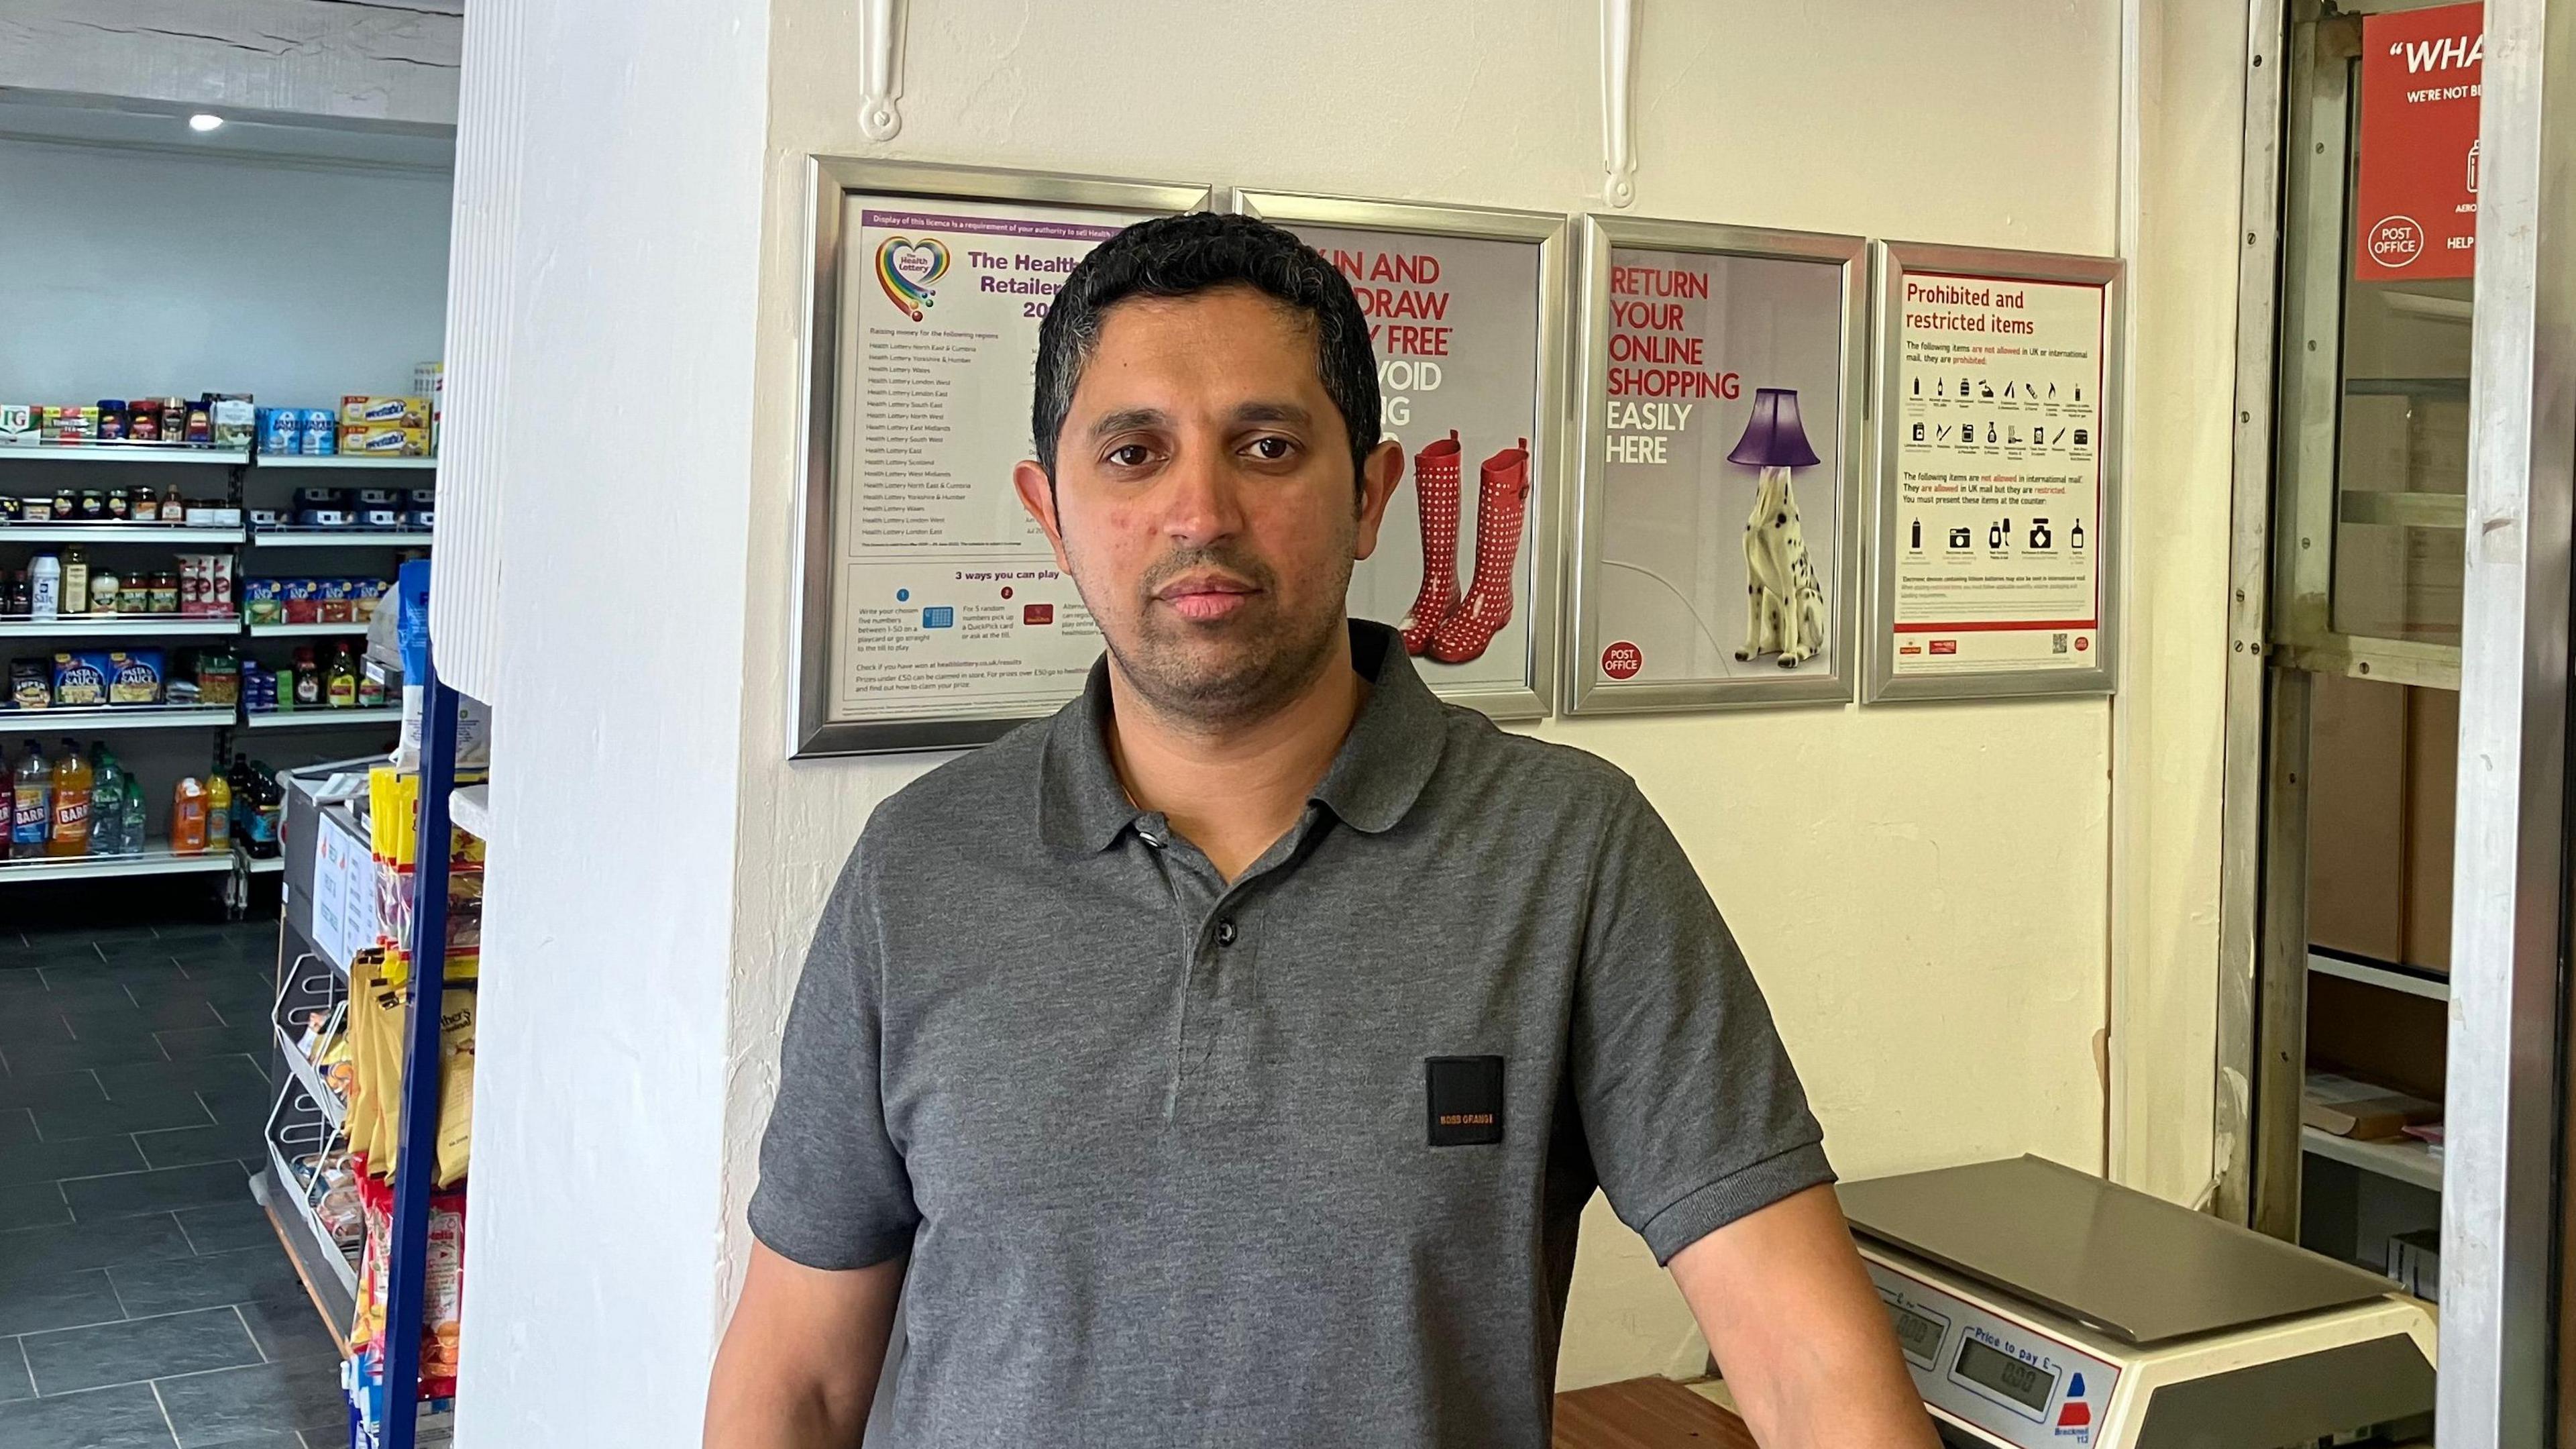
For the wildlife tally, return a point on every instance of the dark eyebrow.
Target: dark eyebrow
(1128, 419)
(1273, 412)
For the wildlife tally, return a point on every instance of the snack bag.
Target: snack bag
(455, 1084)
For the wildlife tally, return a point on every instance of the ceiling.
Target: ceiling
(47, 116)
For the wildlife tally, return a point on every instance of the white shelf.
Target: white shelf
(121, 453)
(156, 859)
(2395, 978)
(120, 717)
(116, 533)
(116, 626)
(309, 1077)
(2406, 1159)
(336, 538)
(469, 809)
(307, 631)
(313, 719)
(358, 461)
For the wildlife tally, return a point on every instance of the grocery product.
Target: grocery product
(31, 684)
(219, 814)
(72, 781)
(31, 815)
(45, 581)
(103, 591)
(384, 412)
(107, 804)
(188, 817)
(80, 681)
(340, 690)
(134, 676)
(368, 440)
(75, 581)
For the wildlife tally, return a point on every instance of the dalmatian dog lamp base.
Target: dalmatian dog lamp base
(1784, 604)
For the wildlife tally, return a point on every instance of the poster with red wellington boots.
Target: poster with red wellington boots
(1720, 488)
(1461, 307)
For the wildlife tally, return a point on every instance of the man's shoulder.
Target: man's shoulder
(968, 796)
(1484, 761)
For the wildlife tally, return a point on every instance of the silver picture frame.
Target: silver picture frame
(1584, 692)
(831, 181)
(1551, 464)
(1894, 260)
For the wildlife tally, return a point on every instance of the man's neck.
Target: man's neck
(1232, 792)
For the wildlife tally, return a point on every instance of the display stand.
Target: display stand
(385, 1424)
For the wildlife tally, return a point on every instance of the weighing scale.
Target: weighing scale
(2040, 1308)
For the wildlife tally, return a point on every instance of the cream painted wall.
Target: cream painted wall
(2169, 716)
(1923, 891)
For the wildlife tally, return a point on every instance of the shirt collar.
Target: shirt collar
(1381, 768)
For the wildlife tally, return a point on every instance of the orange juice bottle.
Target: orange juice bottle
(188, 818)
(72, 781)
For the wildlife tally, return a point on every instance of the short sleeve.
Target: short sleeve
(1694, 1115)
(834, 1192)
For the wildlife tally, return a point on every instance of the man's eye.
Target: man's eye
(1128, 455)
(1272, 450)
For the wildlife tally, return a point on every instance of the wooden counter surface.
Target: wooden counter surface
(1647, 1413)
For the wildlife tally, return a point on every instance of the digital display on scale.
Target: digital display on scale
(2021, 1382)
(1919, 1336)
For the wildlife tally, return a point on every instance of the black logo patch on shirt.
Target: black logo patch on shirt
(1465, 1096)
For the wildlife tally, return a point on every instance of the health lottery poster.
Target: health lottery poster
(1454, 326)
(948, 598)
(1714, 560)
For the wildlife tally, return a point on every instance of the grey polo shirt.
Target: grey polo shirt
(1296, 1161)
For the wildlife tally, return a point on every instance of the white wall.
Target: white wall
(1937, 955)
(623, 248)
(135, 271)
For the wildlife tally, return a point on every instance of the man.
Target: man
(1226, 1060)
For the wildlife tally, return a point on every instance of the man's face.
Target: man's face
(1203, 502)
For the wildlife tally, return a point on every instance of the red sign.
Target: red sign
(1037, 613)
(2416, 200)
(1622, 660)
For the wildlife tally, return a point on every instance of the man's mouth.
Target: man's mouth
(1204, 596)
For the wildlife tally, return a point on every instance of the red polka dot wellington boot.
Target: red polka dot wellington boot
(1502, 501)
(1435, 489)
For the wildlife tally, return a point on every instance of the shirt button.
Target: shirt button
(1225, 933)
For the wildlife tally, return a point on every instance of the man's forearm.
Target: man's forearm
(749, 1410)
(799, 1364)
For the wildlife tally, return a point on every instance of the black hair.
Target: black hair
(1183, 256)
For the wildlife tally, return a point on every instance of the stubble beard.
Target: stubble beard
(1212, 677)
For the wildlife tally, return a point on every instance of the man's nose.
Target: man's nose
(1201, 502)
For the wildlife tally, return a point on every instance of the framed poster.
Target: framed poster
(1717, 517)
(1998, 496)
(930, 610)
(1465, 312)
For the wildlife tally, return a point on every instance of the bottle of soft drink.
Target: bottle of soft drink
(72, 782)
(31, 815)
(188, 818)
(245, 791)
(138, 813)
(219, 815)
(106, 803)
(268, 816)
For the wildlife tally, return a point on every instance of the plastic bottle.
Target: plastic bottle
(138, 812)
(45, 587)
(75, 581)
(266, 819)
(106, 803)
(245, 790)
(72, 781)
(188, 818)
(219, 814)
(31, 816)
(308, 679)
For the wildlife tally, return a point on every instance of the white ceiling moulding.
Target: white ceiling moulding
(347, 60)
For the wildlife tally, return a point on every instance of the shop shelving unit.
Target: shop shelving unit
(112, 629)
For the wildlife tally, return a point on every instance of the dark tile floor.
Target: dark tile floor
(144, 1301)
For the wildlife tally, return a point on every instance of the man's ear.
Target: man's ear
(1037, 495)
(1380, 472)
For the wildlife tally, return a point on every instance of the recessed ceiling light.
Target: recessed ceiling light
(204, 121)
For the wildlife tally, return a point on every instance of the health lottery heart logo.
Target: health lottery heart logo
(907, 269)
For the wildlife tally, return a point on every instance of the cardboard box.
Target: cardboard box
(384, 412)
(2357, 777)
(2432, 805)
(2347, 1107)
(382, 442)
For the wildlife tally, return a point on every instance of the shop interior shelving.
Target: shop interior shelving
(112, 629)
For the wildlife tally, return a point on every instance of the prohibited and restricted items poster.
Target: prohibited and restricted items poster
(1719, 521)
(2415, 198)
(1995, 488)
(1468, 385)
(934, 612)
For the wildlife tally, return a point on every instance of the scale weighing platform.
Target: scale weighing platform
(2039, 1308)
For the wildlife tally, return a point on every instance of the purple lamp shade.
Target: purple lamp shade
(1773, 437)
